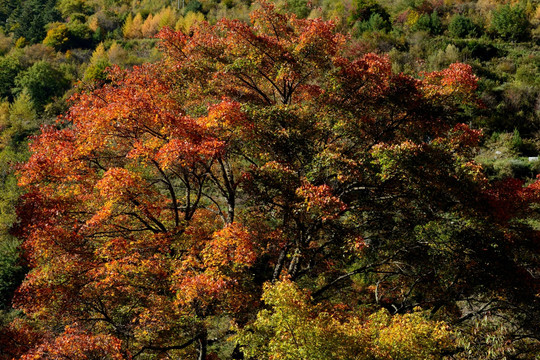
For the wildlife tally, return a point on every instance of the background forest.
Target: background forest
(53, 49)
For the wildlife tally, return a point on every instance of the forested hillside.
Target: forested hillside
(339, 179)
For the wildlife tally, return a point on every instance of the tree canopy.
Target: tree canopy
(263, 190)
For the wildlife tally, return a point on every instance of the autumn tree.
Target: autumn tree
(268, 153)
(296, 329)
(97, 64)
(132, 28)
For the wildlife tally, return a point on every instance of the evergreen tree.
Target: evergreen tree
(6, 9)
(28, 20)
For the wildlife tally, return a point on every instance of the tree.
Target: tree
(22, 119)
(299, 7)
(461, 26)
(185, 23)
(57, 36)
(6, 8)
(43, 82)
(430, 23)
(97, 65)
(294, 328)
(132, 28)
(29, 18)
(149, 27)
(16, 120)
(363, 9)
(153, 23)
(11, 271)
(162, 203)
(71, 7)
(80, 35)
(511, 23)
(9, 69)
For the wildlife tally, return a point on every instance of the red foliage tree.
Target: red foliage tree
(162, 202)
